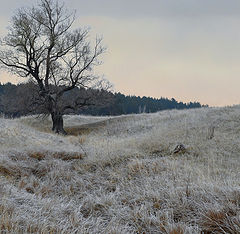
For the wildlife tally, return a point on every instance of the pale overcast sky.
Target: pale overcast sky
(186, 49)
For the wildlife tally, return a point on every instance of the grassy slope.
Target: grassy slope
(120, 176)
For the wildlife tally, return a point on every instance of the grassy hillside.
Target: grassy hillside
(120, 175)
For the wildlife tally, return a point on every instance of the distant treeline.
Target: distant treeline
(119, 104)
(134, 104)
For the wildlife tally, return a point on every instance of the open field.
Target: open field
(120, 175)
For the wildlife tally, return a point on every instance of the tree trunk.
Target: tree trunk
(57, 120)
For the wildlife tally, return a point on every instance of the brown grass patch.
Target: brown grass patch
(9, 171)
(40, 171)
(37, 155)
(68, 156)
(177, 230)
(6, 224)
(30, 190)
(219, 222)
(76, 131)
(65, 156)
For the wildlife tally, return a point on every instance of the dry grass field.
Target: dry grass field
(121, 175)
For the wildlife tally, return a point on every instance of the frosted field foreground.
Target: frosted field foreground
(119, 174)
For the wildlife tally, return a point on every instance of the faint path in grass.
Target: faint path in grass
(94, 126)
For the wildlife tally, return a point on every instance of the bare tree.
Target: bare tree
(42, 45)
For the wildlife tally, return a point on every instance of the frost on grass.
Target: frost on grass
(122, 176)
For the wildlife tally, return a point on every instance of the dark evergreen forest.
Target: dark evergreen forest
(120, 104)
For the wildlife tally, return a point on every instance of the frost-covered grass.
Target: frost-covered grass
(121, 176)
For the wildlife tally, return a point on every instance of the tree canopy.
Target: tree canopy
(41, 44)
